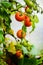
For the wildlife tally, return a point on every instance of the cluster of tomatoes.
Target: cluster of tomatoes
(27, 22)
(21, 17)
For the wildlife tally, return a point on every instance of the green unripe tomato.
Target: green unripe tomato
(28, 10)
(29, 3)
(24, 43)
(35, 7)
(28, 48)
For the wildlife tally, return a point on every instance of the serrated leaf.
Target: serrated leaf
(7, 22)
(6, 4)
(21, 61)
(33, 23)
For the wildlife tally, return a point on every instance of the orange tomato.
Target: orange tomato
(18, 53)
(19, 17)
(27, 21)
(21, 34)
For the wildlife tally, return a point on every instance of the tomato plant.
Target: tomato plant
(17, 52)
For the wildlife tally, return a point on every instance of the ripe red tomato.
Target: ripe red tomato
(19, 17)
(18, 53)
(21, 34)
(27, 21)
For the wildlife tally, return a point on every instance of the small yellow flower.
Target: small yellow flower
(13, 42)
(12, 48)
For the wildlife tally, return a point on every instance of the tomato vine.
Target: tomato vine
(20, 47)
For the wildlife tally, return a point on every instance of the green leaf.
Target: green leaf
(18, 46)
(1, 37)
(1, 52)
(19, 6)
(33, 26)
(24, 42)
(24, 28)
(6, 4)
(36, 18)
(39, 61)
(24, 49)
(30, 61)
(4, 14)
